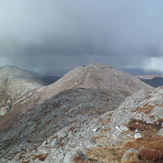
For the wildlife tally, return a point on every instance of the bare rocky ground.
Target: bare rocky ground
(77, 119)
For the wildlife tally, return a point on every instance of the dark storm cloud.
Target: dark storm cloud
(53, 34)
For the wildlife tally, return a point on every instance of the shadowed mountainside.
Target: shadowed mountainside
(154, 82)
(49, 79)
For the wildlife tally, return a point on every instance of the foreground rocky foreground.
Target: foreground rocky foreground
(93, 114)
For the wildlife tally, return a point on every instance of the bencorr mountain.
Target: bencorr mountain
(52, 113)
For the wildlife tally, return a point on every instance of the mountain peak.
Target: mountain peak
(99, 65)
(96, 76)
(13, 71)
(15, 86)
(11, 67)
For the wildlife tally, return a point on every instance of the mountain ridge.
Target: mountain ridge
(94, 76)
(16, 85)
(59, 115)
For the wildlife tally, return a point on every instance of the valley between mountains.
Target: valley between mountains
(92, 114)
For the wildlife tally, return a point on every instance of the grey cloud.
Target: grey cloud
(64, 34)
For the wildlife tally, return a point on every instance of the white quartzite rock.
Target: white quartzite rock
(137, 135)
(160, 132)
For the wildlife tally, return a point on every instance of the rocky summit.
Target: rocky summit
(92, 114)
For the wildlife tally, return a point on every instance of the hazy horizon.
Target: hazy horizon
(62, 72)
(62, 35)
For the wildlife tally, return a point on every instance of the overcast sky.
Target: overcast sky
(63, 34)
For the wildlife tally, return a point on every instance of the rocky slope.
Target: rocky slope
(67, 116)
(16, 85)
(131, 133)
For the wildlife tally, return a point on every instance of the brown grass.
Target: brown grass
(146, 108)
(60, 143)
(105, 154)
(97, 137)
(150, 154)
(79, 159)
(106, 121)
(158, 104)
(154, 142)
(150, 149)
(72, 128)
(132, 158)
(110, 114)
(41, 157)
(146, 129)
(26, 161)
(105, 130)
(131, 161)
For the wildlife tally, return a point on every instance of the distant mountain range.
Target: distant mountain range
(155, 82)
(151, 77)
(48, 77)
(141, 72)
